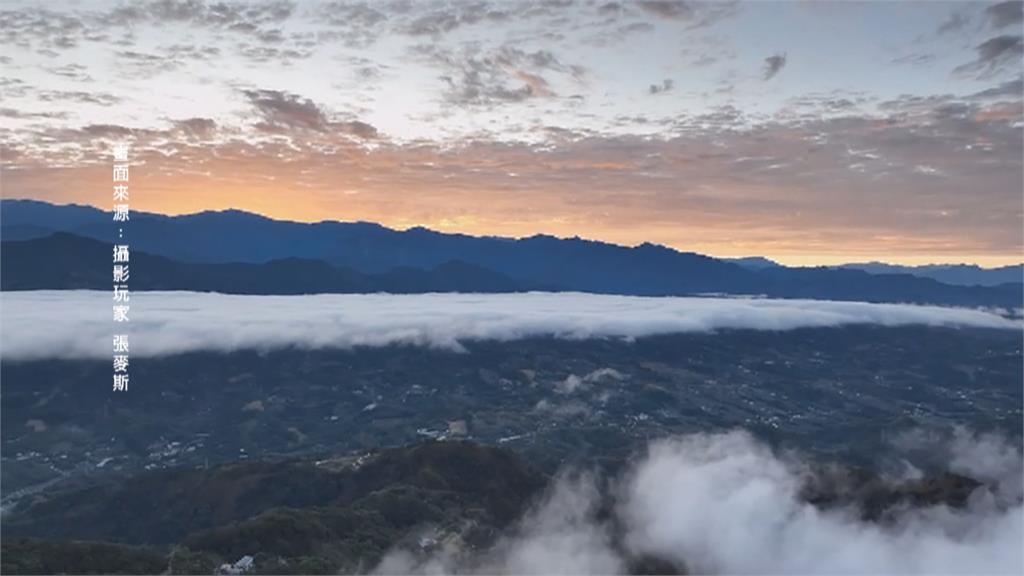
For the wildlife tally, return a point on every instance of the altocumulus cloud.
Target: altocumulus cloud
(78, 324)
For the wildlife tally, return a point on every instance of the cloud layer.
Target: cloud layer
(78, 324)
(728, 504)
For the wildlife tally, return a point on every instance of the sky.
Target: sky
(807, 132)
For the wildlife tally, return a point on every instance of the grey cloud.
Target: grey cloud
(22, 115)
(560, 134)
(365, 68)
(282, 111)
(816, 104)
(80, 97)
(191, 52)
(356, 128)
(994, 55)
(914, 59)
(352, 13)
(773, 65)
(274, 36)
(956, 22)
(634, 27)
(141, 57)
(73, 71)
(704, 60)
(676, 9)
(507, 74)
(359, 24)
(45, 29)
(107, 131)
(235, 16)
(474, 86)
(610, 8)
(665, 86)
(694, 14)
(196, 128)
(263, 54)
(1010, 13)
(454, 16)
(1011, 89)
(13, 88)
(145, 64)
(75, 324)
(539, 60)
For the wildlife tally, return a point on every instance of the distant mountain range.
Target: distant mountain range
(239, 252)
(65, 261)
(957, 274)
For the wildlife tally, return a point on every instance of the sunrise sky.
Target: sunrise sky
(808, 132)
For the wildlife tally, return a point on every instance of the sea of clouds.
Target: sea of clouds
(78, 324)
(729, 504)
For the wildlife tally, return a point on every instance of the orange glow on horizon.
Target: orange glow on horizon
(723, 221)
(475, 226)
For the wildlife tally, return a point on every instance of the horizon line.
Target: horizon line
(786, 261)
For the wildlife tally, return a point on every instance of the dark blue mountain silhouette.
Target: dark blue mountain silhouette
(64, 261)
(961, 274)
(540, 261)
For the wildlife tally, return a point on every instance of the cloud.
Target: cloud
(574, 383)
(1010, 88)
(956, 22)
(560, 535)
(676, 9)
(21, 115)
(356, 128)
(994, 55)
(352, 14)
(246, 17)
(191, 52)
(48, 30)
(914, 59)
(76, 324)
(665, 86)
(197, 128)
(262, 54)
(986, 457)
(79, 97)
(695, 14)
(773, 65)
(447, 19)
(1004, 14)
(283, 112)
(72, 71)
(726, 504)
(504, 75)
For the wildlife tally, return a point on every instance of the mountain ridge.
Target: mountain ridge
(234, 238)
(98, 215)
(83, 263)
